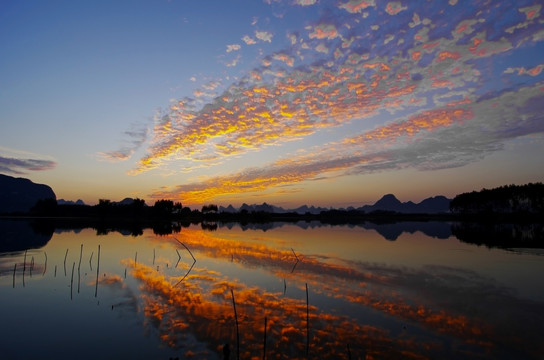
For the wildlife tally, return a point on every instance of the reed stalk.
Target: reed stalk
(65, 255)
(264, 341)
(307, 322)
(80, 255)
(45, 266)
(237, 330)
(72, 281)
(31, 265)
(97, 271)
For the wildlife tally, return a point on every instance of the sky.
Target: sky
(289, 102)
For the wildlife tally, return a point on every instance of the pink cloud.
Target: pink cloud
(264, 36)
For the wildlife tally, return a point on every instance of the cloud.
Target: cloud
(289, 60)
(233, 47)
(394, 7)
(264, 36)
(234, 61)
(18, 162)
(305, 2)
(534, 71)
(249, 40)
(324, 31)
(135, 137)
(453, 136)
(432, 80)
(357, 6)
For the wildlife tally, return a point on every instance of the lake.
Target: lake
(286, 291)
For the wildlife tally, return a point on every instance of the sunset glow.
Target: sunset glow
(272, 98)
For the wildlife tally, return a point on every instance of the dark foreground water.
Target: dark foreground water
(408, 290)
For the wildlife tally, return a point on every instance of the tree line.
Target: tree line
(506, 200)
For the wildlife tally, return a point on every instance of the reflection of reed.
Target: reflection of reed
(192, 265)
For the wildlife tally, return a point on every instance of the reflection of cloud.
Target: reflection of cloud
(17, 162)
(425, 299)
(200, 310)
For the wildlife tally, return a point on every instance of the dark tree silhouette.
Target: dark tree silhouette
(510, 199)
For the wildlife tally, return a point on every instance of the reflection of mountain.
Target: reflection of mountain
(436, 229)
(22, 235)
(390, 231)
(20, 195)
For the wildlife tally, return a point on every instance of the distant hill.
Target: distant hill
(70, 202)
(264, 207)
(20, 194)
(432, 205)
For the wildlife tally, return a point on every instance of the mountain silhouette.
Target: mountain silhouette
(388, 202)
(20, 194)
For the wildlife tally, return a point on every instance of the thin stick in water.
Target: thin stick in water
(237, 331)
(45, 266)
(90, 259)
(179, 259)
(264, 342)
(78, 278)
(80, 255)
(72, 281)
(307, 322)
(65, 255)
(296, 257)
(24, 264)
(153, 256)
(55, 270)
(31, 265)
(14, 270)
(24, 268)
(136, 258)
(97, 271)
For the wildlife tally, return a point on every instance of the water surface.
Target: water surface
(410, 290)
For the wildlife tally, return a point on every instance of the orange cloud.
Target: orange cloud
(356, 6)
(324, 31)
(394, 7)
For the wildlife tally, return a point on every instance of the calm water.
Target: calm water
(408, 290)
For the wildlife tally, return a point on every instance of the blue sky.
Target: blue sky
(332, 103)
